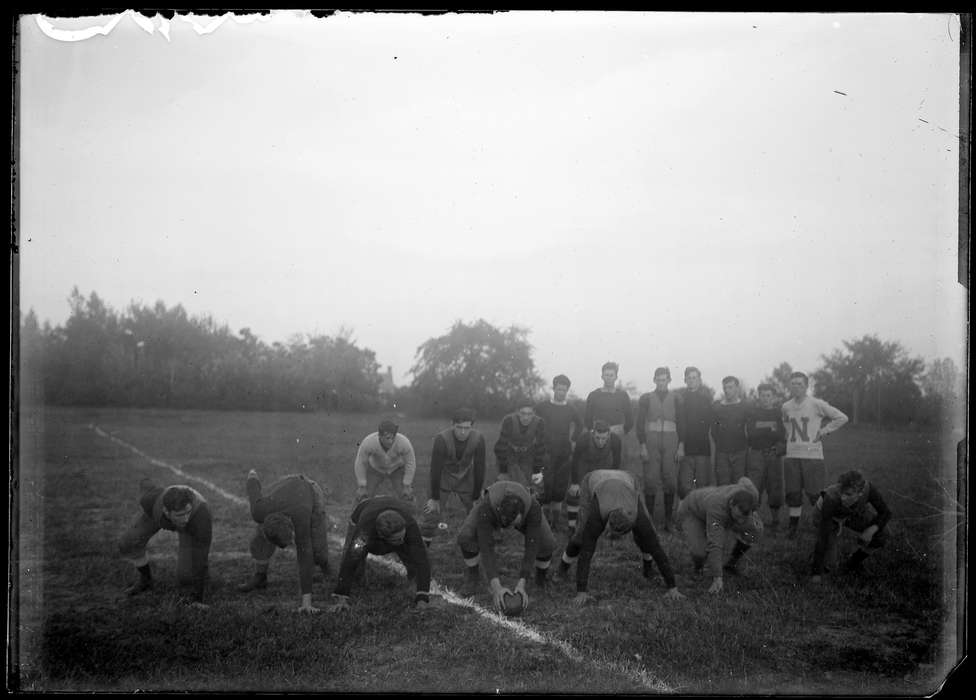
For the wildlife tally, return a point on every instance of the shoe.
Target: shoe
(542, 580)
(256, 581)
(140, 586)
(560, 575)
(648, 569)
(732, 568)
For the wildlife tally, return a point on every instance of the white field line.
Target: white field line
(517, 627)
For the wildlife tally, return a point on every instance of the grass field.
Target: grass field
(891, 631)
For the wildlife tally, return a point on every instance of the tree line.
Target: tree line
(160, 356)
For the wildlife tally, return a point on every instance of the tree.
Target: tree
(940, 392)
(780, 379)
(871, 379)
(475, 365)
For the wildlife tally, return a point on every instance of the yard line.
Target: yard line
(517, 627)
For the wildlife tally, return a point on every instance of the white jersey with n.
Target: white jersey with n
(806, 421)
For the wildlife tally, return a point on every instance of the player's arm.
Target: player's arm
(576, 427)
(409, 462)
(438, 454)
(200, 531)
(592, 529)
(648, 542)
(539, 448)
(479, 460)
(881, 508)
(259, 504)
(643, 406)
(835, 418)
(715, 532)
(533, 531)
(628, 413)
(417, 555)
(361, 465)
(574, 467)
(302, 522)
(353, 553)
(501, 448)
(485, 528)
(828, 507)
(616, 450)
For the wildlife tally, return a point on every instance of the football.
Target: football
(512, 605)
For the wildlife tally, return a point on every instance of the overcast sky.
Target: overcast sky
(725, 190)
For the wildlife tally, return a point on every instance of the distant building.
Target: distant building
(387, 388)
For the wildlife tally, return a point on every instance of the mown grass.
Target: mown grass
(769, 632)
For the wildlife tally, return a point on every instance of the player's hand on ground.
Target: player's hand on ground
(360, 493)
(574, 490)
(674, 594)
(498, 592)
(407, 491)
(868, 534)
(308, 609)
(716, 586)
(537, 479)
(253, 474)
(520, 589)
(432, 506)
(582, 598)
(341, 604)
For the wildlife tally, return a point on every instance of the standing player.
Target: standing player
(729, 433)
(179, 509)
(767, 444)
(657, 433)
(293, 510)
(610, 404)
(612, 499)
(709, 515)
(563, 426)
(599, 448)
(457, 465)
(857, 505)
(521, 446)
(807, 421)
(385, 455)
(379, 526)
(506, 504)
(694, 424)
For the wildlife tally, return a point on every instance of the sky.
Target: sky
(730, 191)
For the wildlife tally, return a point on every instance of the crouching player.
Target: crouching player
(857, 505)
(293, 510)
(612, 499)
(457, 465)
(599, 448)
(505, 504)
(383, 525)
(176, 508)
(708, 515)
